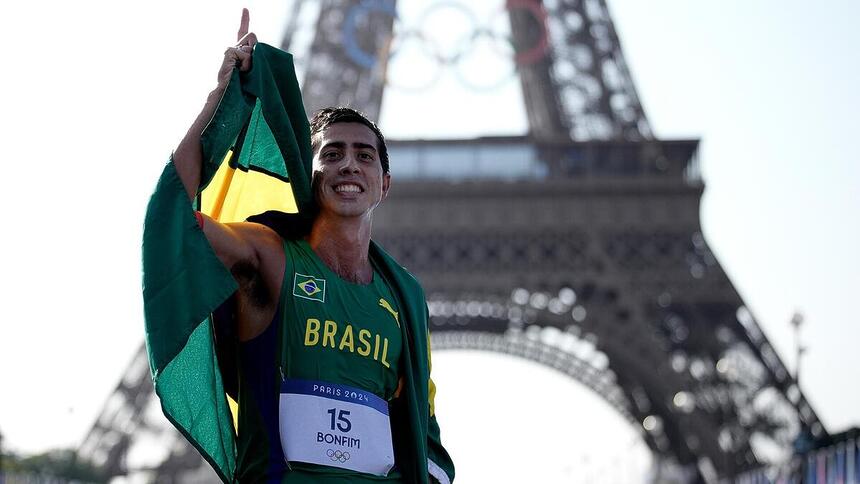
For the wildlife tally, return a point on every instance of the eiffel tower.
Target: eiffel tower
(576, 245)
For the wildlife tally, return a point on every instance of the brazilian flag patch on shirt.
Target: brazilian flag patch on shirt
(309, 287)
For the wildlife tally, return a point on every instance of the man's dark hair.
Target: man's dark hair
(326, 117)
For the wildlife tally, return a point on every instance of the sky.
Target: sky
(96, 94)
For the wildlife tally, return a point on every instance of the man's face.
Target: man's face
(348, 175)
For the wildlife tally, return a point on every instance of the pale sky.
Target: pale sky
(96, 94)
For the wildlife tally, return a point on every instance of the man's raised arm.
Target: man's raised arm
(239, 246)
(188, 156)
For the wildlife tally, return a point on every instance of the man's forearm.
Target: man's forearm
(188, 156)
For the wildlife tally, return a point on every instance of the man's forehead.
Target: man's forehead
(348, 133)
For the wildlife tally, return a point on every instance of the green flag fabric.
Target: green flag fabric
(256, 165)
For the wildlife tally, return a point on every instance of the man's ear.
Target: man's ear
(386, 184)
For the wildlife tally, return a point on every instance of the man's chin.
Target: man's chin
(343, 210)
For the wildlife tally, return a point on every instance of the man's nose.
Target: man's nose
(349, 164)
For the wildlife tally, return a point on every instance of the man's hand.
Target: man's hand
(240, 54)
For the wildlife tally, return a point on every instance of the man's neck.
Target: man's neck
(343, 245)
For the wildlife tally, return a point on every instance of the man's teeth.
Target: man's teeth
(347, 188)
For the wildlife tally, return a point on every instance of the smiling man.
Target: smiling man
(327, 378)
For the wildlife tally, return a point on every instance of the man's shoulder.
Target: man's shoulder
(290, 226)
(403, 276)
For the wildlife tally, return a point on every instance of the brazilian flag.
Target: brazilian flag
(256, 165)
(256, 157)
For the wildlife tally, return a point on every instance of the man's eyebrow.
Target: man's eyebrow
(341, 145)
(334, 144)
(364, 146)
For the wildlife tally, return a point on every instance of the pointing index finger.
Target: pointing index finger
(243, 25)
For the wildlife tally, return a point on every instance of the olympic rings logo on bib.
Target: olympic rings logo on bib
(337, 455)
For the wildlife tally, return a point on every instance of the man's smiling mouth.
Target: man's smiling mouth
(347, 188)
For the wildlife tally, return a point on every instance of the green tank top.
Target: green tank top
(335, 330)
(330, 330)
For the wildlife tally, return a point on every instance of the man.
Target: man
(326, 389)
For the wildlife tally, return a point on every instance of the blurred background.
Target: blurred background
(635, 223)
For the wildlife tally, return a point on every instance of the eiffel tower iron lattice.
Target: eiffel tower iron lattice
(577, 246)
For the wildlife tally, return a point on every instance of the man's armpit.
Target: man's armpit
(251, 284)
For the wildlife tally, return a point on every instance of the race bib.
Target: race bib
(335, 425)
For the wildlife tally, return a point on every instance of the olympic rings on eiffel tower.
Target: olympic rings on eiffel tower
(353, 51)
(465, 48)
